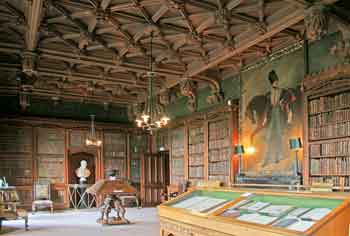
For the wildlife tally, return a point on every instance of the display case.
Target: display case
(224, 212)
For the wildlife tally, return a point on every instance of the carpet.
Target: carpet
(144, 222)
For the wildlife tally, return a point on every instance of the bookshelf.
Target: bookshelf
(327, 136)
(219, 154)
(138, 146)
(196, 153)
(16, 154)
(115, 153)
(201, 146)
(177, 155)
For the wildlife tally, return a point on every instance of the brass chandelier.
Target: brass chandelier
(92, 139)
(151, 118)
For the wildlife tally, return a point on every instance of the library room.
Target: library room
(175, 117)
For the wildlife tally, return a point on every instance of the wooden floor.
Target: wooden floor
(83, 222)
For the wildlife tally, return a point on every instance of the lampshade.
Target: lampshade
(239, 149)
(295, 143)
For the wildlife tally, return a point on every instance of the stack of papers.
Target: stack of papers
(188, 202)
(276, 210)
(257, 218)
(206, 204)
(240, 204)
(316, 214)
(283, 223)
(297, 212)
(231, 213)
(199, 203)
(301, 225)
(255, 206)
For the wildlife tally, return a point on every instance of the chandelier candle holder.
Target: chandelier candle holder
(151, 118)
(92, 139)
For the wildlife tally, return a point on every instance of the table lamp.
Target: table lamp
(295, 144)
(239, 150)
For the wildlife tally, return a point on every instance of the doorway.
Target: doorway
(155, 177)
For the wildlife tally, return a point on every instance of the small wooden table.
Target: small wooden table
(9, 201)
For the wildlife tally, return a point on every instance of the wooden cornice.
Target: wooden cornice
(208, 114)
(321, 79)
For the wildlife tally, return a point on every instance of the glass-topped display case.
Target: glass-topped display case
(240, 212)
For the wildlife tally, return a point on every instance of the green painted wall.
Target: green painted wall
(230, 88)
(64, 110)
(319, 58)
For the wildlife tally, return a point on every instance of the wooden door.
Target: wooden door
(154, 177)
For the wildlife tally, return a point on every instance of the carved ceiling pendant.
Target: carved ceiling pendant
(316, 22)
(188, 89)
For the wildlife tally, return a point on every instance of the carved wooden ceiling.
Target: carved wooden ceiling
(100, 49)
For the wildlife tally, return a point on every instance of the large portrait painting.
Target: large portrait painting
(271, 115)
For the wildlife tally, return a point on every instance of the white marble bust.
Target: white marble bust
(82, 172)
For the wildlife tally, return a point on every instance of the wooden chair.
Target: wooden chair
(42, 197)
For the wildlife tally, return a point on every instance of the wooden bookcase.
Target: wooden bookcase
(201, 146)
(196, 153)
(138, 146)
(177, 163)
(327, 131)
(219, 150)
(115, 154)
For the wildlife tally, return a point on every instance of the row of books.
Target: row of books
(115, 164)
(177, 166)
(114, 138)
(221, 178)
(196, 148)
(177, 143)
(219, 154)
(177, 152)
(115, 146)
(196, 135)
(196, 172)
(329, 117)
(195, 159)
(329, 103)
(196, 140)
(220, 143)
(177, 179)
(330, 131)
(218, 130)
(115, 154)
(219, 168)
(334, 180)
(329, 149)
(15, 147)
(330, 166)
